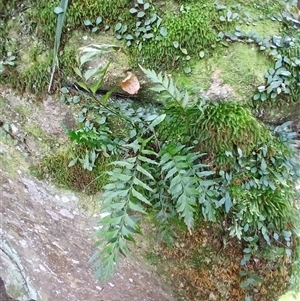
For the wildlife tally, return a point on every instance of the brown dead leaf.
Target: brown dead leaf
(130, 84)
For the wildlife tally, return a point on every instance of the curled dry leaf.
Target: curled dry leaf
(130, 84)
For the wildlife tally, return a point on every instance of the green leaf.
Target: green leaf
(129, 37)
(171, 172)
(288, 252)
(136, 207)
(109, 196)
(187, 70)
(98, 20)
(278, 63)
(88, 23)
(256, 96)
(163, 31)
(128, 165)
(144, 172)
(240, 152)
(185, 100)
(129, 221)
(64, 90)
(148, 35)
(133, 11)
(263, 165)
(183, 50)
(147, 160)
(138, 182)
(123, 177)
(159, 119)
(73, 162)
(228, 204)
(141, 14)
(297, 232)
(149, 152)
(140, 197)
(286, 234)
(118, 26)
(285, 73)
(78, 72)
(206, 173)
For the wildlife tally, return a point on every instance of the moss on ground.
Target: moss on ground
(242, 67)
(55, 167)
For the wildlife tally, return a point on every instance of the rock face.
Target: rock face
(45, 248)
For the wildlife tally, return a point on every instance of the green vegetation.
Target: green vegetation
(57, 168)
(184, 34)
(191, 160)
(183, 38)
(188, 160)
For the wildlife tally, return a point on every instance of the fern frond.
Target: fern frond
(164, 83)
(129, 190)
(179, 168)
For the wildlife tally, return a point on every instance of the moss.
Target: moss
(36, 76)
(11, 160)
(76, 177)
(2, 102)
(190, 29)
(24, 111)
(242, 67)
(264, 28)
(78, 12)
(226, 126)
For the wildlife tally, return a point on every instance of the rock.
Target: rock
(279, 115)
(119, 65)
(218, 90)
(46, 246)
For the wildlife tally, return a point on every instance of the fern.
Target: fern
(164, 83)
(179, 171)
(244, 180)
(123, 200)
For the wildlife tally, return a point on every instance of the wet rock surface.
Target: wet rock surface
(46, 246)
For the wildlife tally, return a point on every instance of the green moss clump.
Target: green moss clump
(78, 11)
(187, 33)
(191, 29)
(75, 177)
(36, 77)
(226, 126)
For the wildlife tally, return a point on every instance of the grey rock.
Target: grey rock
(46, 247)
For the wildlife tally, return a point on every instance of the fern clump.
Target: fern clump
(169, 163)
